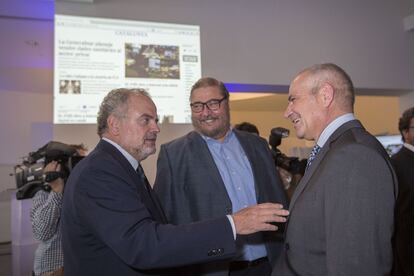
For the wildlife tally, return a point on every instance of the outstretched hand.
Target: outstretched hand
(259, 218)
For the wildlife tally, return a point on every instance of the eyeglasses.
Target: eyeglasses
(212, 105)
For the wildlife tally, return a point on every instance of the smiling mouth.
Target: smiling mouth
(208, 121)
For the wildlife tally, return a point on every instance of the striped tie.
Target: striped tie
(312, 155)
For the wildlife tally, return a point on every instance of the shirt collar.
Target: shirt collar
(134, 163)
(409, 146)
(334, 125)
(227, 137)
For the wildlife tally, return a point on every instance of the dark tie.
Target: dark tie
(152, 196)
(144, 179)
(312, 155)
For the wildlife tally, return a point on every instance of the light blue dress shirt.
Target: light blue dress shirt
(237, 175)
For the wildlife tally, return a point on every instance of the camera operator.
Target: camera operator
(45, 218)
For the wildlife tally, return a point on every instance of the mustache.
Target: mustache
(151, 136)
(208, 117)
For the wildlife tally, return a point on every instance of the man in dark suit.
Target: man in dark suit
(112, 223)
(403, 162)
(215, 171)
(342, 212)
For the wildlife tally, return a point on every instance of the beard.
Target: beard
(218, 131)
(148, 147)
(145, 151)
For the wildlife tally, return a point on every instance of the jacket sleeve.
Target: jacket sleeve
(109, 204)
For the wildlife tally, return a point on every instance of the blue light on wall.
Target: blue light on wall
(256, 88)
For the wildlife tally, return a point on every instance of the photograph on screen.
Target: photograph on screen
(69, 87)
(152, 61)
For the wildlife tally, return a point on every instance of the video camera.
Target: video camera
(291, 164)
(29, 175)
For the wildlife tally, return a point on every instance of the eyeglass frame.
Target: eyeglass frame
(206, 104)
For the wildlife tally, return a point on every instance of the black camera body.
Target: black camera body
(29, 175)
(291, 164)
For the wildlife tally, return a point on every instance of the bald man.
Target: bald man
(342, 212)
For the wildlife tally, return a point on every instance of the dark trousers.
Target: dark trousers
(260, 267)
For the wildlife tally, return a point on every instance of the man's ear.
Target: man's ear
(327, 93)
(113, 125)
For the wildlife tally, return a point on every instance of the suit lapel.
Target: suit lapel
(308, 174)
(200, 148)
(321, 155)
(148, 197)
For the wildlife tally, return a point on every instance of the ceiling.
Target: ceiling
(30, 67)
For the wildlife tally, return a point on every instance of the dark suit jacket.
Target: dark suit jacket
(403, 162)
(112, 227)
(342, 212)
(190, 187)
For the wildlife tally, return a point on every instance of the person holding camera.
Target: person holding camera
(45, 218)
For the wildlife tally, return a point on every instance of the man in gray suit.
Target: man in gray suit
(342, 212)
(216, 170)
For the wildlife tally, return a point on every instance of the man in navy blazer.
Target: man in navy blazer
(403, 162)
(217, 170)
(342, 212)
(112, 223)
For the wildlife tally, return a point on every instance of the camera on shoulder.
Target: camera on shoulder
(30, 176)
(290, 164)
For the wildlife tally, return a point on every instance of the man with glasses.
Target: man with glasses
(215, 171)
(112, 222)
(403, 162)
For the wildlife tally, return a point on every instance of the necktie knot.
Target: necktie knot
(313, 154)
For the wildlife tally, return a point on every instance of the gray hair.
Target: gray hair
(338, 78)
(115, 103)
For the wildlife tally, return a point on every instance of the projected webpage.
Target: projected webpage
(96, 55)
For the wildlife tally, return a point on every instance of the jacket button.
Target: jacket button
(287, 246)
(212, 252)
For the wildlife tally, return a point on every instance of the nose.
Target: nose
(205, 111)
(288, 111)
(155, 127)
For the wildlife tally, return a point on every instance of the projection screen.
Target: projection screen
(96, 55)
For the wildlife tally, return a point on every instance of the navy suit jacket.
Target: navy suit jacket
(190, 186)
(111, 226)
(403, 162)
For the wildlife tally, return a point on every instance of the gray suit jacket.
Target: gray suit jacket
(342, 212)
(190, 187)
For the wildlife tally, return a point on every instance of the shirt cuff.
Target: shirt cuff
(233, 227)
